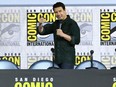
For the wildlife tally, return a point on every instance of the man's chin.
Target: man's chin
(60, 18)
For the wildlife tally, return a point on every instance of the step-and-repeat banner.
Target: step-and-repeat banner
(21, 44)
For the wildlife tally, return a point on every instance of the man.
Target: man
(66, 35)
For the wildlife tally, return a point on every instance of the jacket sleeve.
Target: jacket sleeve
(48, 29)
(75, 35)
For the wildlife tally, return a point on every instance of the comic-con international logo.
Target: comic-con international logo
(108, 27)
(82, 57)
(108, 59)
(33, 17)
(34, 82)
(32, 58)
(12, 57)
(9, 27)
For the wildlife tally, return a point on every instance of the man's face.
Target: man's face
(60, 13)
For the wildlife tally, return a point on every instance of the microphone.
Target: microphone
(91, 52)
(59, 27)
(53, 58)
(52, 49)
(91, 61)
(60, 24)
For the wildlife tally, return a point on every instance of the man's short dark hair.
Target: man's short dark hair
(59, 4)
